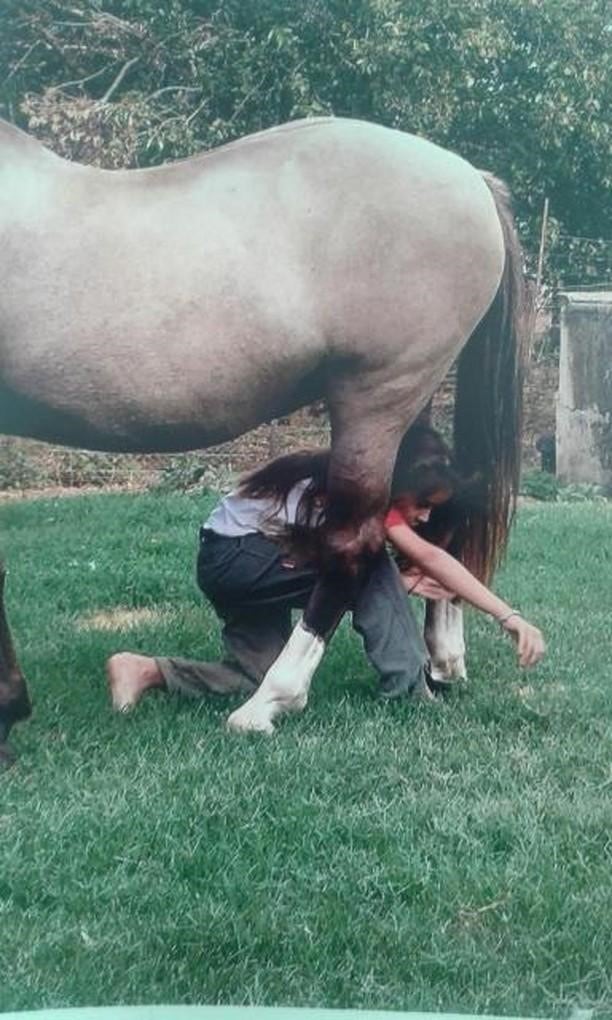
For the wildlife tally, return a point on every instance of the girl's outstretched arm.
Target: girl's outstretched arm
(445, 569)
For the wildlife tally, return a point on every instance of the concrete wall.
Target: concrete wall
(584, 399)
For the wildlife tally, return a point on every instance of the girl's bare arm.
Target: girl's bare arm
(451, 574)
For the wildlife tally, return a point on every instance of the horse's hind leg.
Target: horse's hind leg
(443, 625)
(444, 639)
(364, 447)
(14, 700)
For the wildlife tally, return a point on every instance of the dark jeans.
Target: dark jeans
(253, 587)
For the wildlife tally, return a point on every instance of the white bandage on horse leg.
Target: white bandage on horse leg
(285, 686)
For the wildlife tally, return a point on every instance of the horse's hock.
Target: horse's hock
(584, 399)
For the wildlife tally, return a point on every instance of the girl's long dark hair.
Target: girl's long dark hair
(423, 466)
(276, 479)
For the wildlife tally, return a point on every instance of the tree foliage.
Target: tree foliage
(519, 87)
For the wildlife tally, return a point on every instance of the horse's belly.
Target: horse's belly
(154, 344)
(198, 373)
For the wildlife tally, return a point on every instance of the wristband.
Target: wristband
(502, 620)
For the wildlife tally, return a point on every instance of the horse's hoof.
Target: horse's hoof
(445, 685)
(7, 757)
(247, 719)
(256, 715)
(297, 704)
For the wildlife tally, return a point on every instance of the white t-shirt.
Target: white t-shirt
(239, 515)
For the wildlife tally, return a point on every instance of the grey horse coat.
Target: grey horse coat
(174, 308)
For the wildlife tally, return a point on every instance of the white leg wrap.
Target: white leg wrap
(444, 639)
(285, 686)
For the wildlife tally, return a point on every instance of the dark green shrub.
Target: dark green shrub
(540, 485)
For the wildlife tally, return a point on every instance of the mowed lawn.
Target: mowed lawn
(455, 857)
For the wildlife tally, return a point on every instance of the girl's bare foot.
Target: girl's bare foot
(129, 677)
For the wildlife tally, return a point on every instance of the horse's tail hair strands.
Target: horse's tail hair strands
(488, 404)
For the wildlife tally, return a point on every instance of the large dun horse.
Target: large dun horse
(174, 308)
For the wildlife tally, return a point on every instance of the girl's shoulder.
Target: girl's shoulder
(394, 517)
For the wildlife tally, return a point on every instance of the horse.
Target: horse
(177, 307)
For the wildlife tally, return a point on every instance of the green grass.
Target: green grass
(452, 858)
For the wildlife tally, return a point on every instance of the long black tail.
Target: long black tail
(489, 406)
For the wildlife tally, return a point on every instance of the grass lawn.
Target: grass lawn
(455, 857)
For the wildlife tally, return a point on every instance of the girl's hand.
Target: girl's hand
(529, 640)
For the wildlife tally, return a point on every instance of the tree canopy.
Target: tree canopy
(519, 87)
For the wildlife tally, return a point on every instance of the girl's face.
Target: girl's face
(416, 511)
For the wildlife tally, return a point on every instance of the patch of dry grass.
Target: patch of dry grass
(121, 618)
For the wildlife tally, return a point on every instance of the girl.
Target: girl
(249, 570)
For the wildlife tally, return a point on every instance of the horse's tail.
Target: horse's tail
(488, 407)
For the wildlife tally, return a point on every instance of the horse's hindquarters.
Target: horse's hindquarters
(416, 253)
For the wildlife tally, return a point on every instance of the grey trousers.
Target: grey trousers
(254, 587)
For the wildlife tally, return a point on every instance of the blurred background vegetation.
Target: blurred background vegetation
(519, 87)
